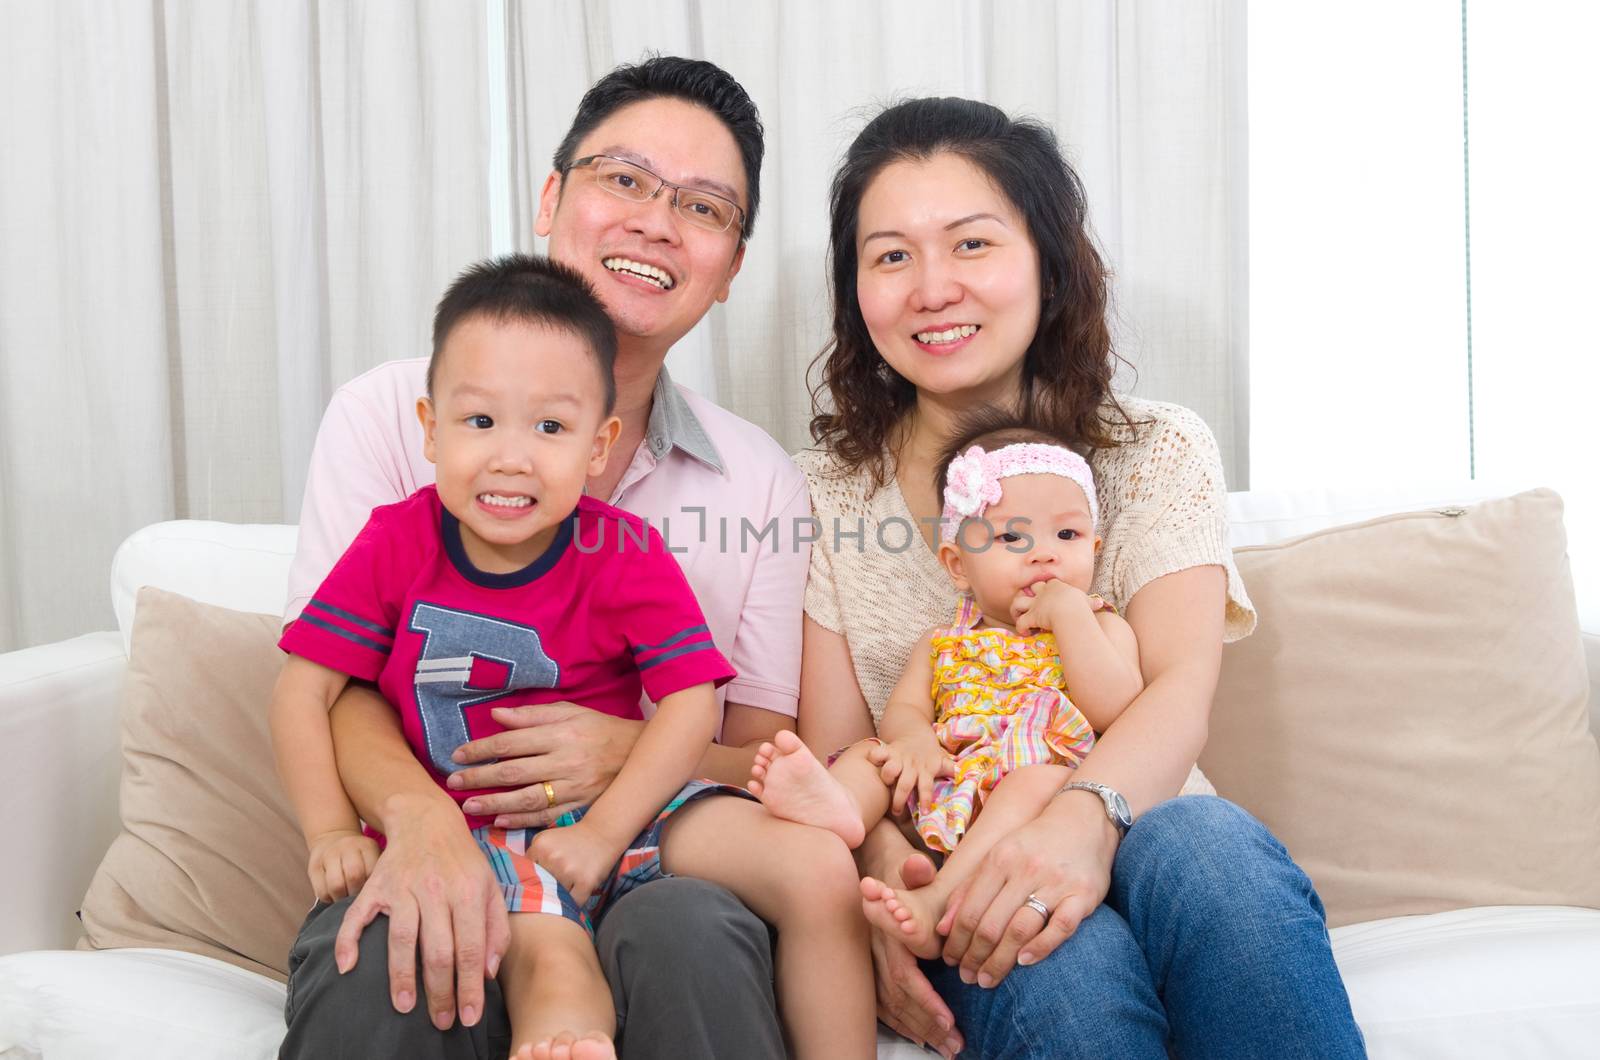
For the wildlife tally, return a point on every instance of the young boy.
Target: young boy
(503, 585)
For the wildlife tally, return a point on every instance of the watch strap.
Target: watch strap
(1110, 797)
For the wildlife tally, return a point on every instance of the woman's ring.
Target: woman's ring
(1038, 907)
(549, 795)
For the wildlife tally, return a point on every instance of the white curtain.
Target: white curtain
(1147, 96)
(211, 214)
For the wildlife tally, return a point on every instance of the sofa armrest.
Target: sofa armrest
(60, 764)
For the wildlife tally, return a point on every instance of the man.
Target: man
(654, 192)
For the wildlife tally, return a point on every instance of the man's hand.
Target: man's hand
(577, 751)
(907, 1002)
(435, 885)
(340, 863)
(578, 857)
(911, 764)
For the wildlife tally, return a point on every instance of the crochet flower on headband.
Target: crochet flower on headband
(972, 482)
(968, 491)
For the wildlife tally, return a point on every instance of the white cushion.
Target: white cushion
(240, 566)
(1493, 982)
(159, 1004)
(135, 1005)
(1502, 981)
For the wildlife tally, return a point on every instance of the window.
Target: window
(1392, 147)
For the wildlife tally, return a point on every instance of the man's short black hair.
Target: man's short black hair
(521, 288)
(693, 80)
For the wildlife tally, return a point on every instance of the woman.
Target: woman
(964, 276)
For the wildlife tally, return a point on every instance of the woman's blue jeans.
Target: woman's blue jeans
(1211, 943)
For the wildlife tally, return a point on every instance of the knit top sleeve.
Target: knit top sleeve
(1164, 508)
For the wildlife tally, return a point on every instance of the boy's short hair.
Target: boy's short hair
(522, 288)
(994, 428)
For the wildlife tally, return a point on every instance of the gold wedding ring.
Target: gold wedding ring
(549, 795)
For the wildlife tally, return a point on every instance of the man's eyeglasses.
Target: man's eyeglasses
(635, 183)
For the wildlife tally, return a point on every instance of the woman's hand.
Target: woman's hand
(1062, 858)
(577, 751)
(911, 764)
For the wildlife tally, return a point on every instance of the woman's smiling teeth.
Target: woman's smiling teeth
(933, 338)
(501, 501)
(648, 273)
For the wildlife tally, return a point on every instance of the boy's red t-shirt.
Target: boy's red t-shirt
(604, 612)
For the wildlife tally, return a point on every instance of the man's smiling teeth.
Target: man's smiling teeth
(649, 273)
(498, 501)
(961, 331)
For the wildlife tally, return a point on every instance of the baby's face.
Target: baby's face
(1040, 530)
(516, 427)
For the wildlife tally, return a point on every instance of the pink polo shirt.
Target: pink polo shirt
(730, 504)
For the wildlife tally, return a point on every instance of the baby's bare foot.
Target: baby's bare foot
(906, 915)
(793, 785)
(569, 1046)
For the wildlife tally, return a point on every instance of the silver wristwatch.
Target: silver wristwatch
(1116, 805)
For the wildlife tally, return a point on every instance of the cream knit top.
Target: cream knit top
(1163, 508)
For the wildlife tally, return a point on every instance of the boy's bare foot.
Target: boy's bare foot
(569, 1046)
(908, 915)
(793, 785)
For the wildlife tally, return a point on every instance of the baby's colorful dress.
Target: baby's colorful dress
(1000, 703)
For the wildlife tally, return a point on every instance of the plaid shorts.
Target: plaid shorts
(529, 888)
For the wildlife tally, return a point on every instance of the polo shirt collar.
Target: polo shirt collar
(673, 424)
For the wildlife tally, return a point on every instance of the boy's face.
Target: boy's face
(516, 425)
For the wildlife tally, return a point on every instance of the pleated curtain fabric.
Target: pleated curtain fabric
(213, 214)
(1147, 96)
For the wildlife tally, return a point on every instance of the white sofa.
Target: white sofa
(1487, 982)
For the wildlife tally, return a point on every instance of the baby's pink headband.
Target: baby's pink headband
(973, 481)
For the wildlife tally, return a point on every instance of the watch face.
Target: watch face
(1116, 806)
(1120, 808)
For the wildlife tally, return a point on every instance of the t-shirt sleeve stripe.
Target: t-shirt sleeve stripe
(355, 620)
(347, 634)
(642, 649)
(687, 649)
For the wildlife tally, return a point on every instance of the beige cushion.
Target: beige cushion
(1410, 716)
(209, 859)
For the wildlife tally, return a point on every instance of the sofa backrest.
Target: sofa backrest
(246, 567)
(240, 566)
